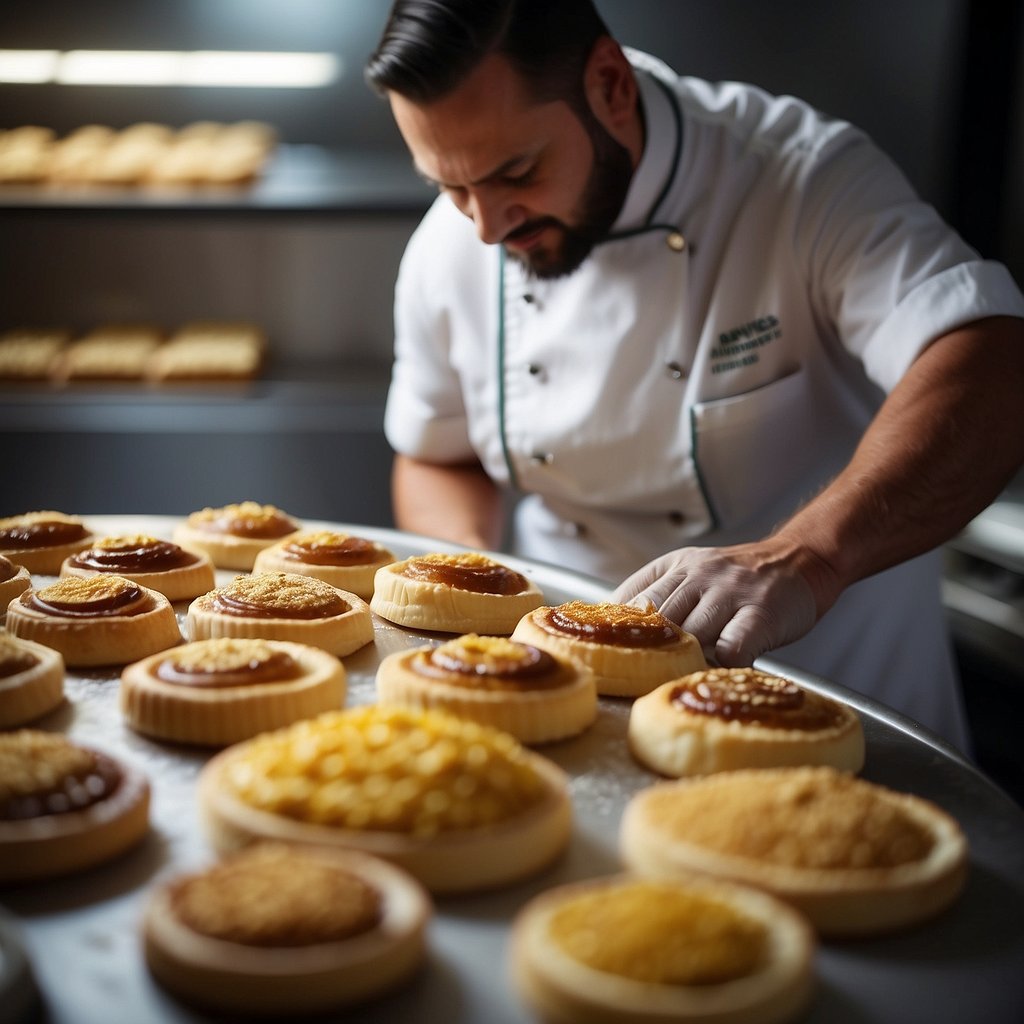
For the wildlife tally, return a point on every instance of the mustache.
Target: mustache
(533, 225)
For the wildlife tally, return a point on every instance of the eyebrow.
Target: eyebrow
(499, 171)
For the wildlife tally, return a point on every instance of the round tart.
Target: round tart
(31, 680)
(720, 719)
(341, 559)
(855, 857)
(157, 564)
(234, 535)
(283, 606)
(534, 695)
(460, 806)
(101, 620)
(463, 593)
(282, 930)
(40, 541)
(631, 650)
(640, 951)
(14, 579)
(64, 807)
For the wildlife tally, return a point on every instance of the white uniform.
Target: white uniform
(658, 398)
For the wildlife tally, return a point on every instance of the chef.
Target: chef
(706, 343)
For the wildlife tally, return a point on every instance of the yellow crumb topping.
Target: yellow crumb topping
(30, 518)
(126, 542)
(284, 592)
(32, 761)
(225, 654)
(247, 518)
(466, 560)
(87, 590)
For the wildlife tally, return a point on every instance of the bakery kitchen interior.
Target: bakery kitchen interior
(233, 262)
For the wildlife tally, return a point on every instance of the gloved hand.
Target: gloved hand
(740, 601)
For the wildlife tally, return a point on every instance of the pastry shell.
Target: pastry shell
(33, 691)
(11, 587)
(229, 550)
(46, 560)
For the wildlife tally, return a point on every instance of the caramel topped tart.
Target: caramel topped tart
(246, 519)
(227, 662)
(89, 597)
(40, 530)
(132, 553)
(327, 547)
(279, 595)
(470, 571)
(490, 663)
(620, 625)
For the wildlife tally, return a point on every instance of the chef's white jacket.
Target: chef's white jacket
(695, 381)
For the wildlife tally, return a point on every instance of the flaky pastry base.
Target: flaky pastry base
(30, 694)
(226, 551)
(46, 561)
(180, 584)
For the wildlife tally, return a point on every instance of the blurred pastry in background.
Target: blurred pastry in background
(109, 352)
(31, 353)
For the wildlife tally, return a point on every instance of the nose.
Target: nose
(493, 215)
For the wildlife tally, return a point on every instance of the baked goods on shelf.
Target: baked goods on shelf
(344, 560)
(626, 950)
(217, 692)
(460, 806)
(454, 593)
(283, 606)
(31, 353)
(25, 154)
(275, 929)
(855, 857)
(101, 620)
(64, 807)
(109, 352)
(14, 579)
(209, 350)
(40, 541)
(631, 650)
(31, 680)
(719, 719)
(234, 535)
(534, 695)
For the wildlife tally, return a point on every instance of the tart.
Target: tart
(720, 719)
(217, 692)
(341, 559)
(460, 806)
(31, 680)
(14, 579)
(283, 606)
(642, 951)
(157, 564)
(40, 541)
(855, 857)
(281, 930)
(64, 807)
(631, 650)
(462, 593)
(235, 534)
(534, 695)
(100, 620)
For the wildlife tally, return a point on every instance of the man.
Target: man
(713, 338)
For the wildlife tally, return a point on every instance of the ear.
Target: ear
(610, 87)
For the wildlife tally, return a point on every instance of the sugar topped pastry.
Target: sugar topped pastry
(96, 620)
(534, 695)
(217, 692)
(719, 719)
(461, 806)
(31, 680)
(13, 580)
(631, 650)
(629, 950)
(158, 564)
(283, 606)
(40, 541)
(278, 929)
(855, 857)
(234, 535)
(64, 807)
(458, 593)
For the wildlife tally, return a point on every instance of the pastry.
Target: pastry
(30, 353)
(157, 564)
(218, 692)
(234, 535)
(281, 930)
(25, 154)
(40, 541)
(210, 350)
(855, 857)
(624, 950)
(283, 606)
(112, 352)
(534, 695)
(463, 593)
(631, 650)
(102, 620)
(14, 579)
(31, 680)
(460, 806)
(76, 156)
(64, 807)
(720, 718)
(341, 559)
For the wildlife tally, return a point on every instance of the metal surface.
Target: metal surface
(962, 968)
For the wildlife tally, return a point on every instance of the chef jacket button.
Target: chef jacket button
(676, 518)
(675, 241)
(675, 371)
(534, 369)
(528, 298)
(543, 458)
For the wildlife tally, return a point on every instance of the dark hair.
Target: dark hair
(430, 46)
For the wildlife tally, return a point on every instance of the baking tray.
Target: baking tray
(82, 932)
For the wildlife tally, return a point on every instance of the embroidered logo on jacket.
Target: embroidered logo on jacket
(738, 347)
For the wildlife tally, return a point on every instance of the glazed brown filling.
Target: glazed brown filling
(466, 572)
(127, 599)
(617, 625)
(8, 570)
(274, 667)
(263, 526)
(332, 549)
(144, 555)
(46, 533)
(490, 663)
(74, 792)
(279, 596)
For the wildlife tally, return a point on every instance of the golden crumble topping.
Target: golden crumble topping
(33, 761)
(126, 541)
(468, 570)
(489, 662)
(87, 590)
(246, 519)
(227, 662)
(281, 593)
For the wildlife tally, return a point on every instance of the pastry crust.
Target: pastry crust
(40, 541)
(631, 650)
(102, 620)
(14, 580)
(720, 719)
(31, 681)
(217, 692)
(293, 977)
(283, 606)
(234, 535)
(535, 696)
(463, 593)
(855, 857)
(668, 951)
